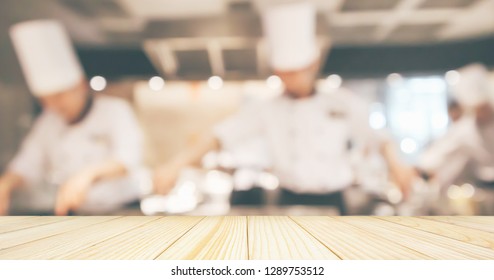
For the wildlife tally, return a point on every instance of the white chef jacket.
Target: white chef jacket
(54, 151)
(464, 142)
(308, 139)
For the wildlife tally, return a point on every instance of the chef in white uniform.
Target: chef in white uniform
(308, 132)
(83, 152)
(470, 139)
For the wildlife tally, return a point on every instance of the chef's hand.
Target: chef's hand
(405, 176)
(165, 177)
(4, 200)
(8, 182)
(73, 192)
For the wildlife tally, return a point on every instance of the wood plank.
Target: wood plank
(350, 242)
(14, 238)
(277, 238)
(146, 242)
(486, 224)
(213, 238)
(434, 245)
(472, 236)
(458, 237)
(4, 219)
(13, 223)
(479, 219)
(55, 247)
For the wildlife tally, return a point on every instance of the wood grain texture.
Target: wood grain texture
(21, 236)
(16, 223)
(480, 223)
(277, 238)
(145, 242)
(253, 237)
(350, 242)
(435, 246)
(468, 235)
(58, 246)
(213, 238)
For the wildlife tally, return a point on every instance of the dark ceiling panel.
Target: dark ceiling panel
(241, 60)
(95, 8)
(382, 60)
(230, 25)
(368, 5)
(241, 6)
(128, 39)
(432, 4)
(115, 63)
(193, 64)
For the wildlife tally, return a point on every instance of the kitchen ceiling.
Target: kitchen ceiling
(109, 20)
(219, 18)
(195, 38)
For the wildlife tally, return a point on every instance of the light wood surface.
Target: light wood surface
(281, 238)
(213, 238)
(252, 237)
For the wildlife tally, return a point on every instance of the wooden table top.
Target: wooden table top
(251, 237)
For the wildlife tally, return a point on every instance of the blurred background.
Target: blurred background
(184, 65)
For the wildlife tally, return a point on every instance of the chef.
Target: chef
(470, 139)
(83, 151)
(308, 132)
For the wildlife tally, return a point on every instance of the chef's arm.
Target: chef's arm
(443, 168)
(402, 173)
(106, 170)
(72, 193)
(166, 174)
(244, 124)
(8, 182)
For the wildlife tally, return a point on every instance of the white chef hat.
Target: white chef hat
(290, 31)
(47, 56)
(472, 88)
